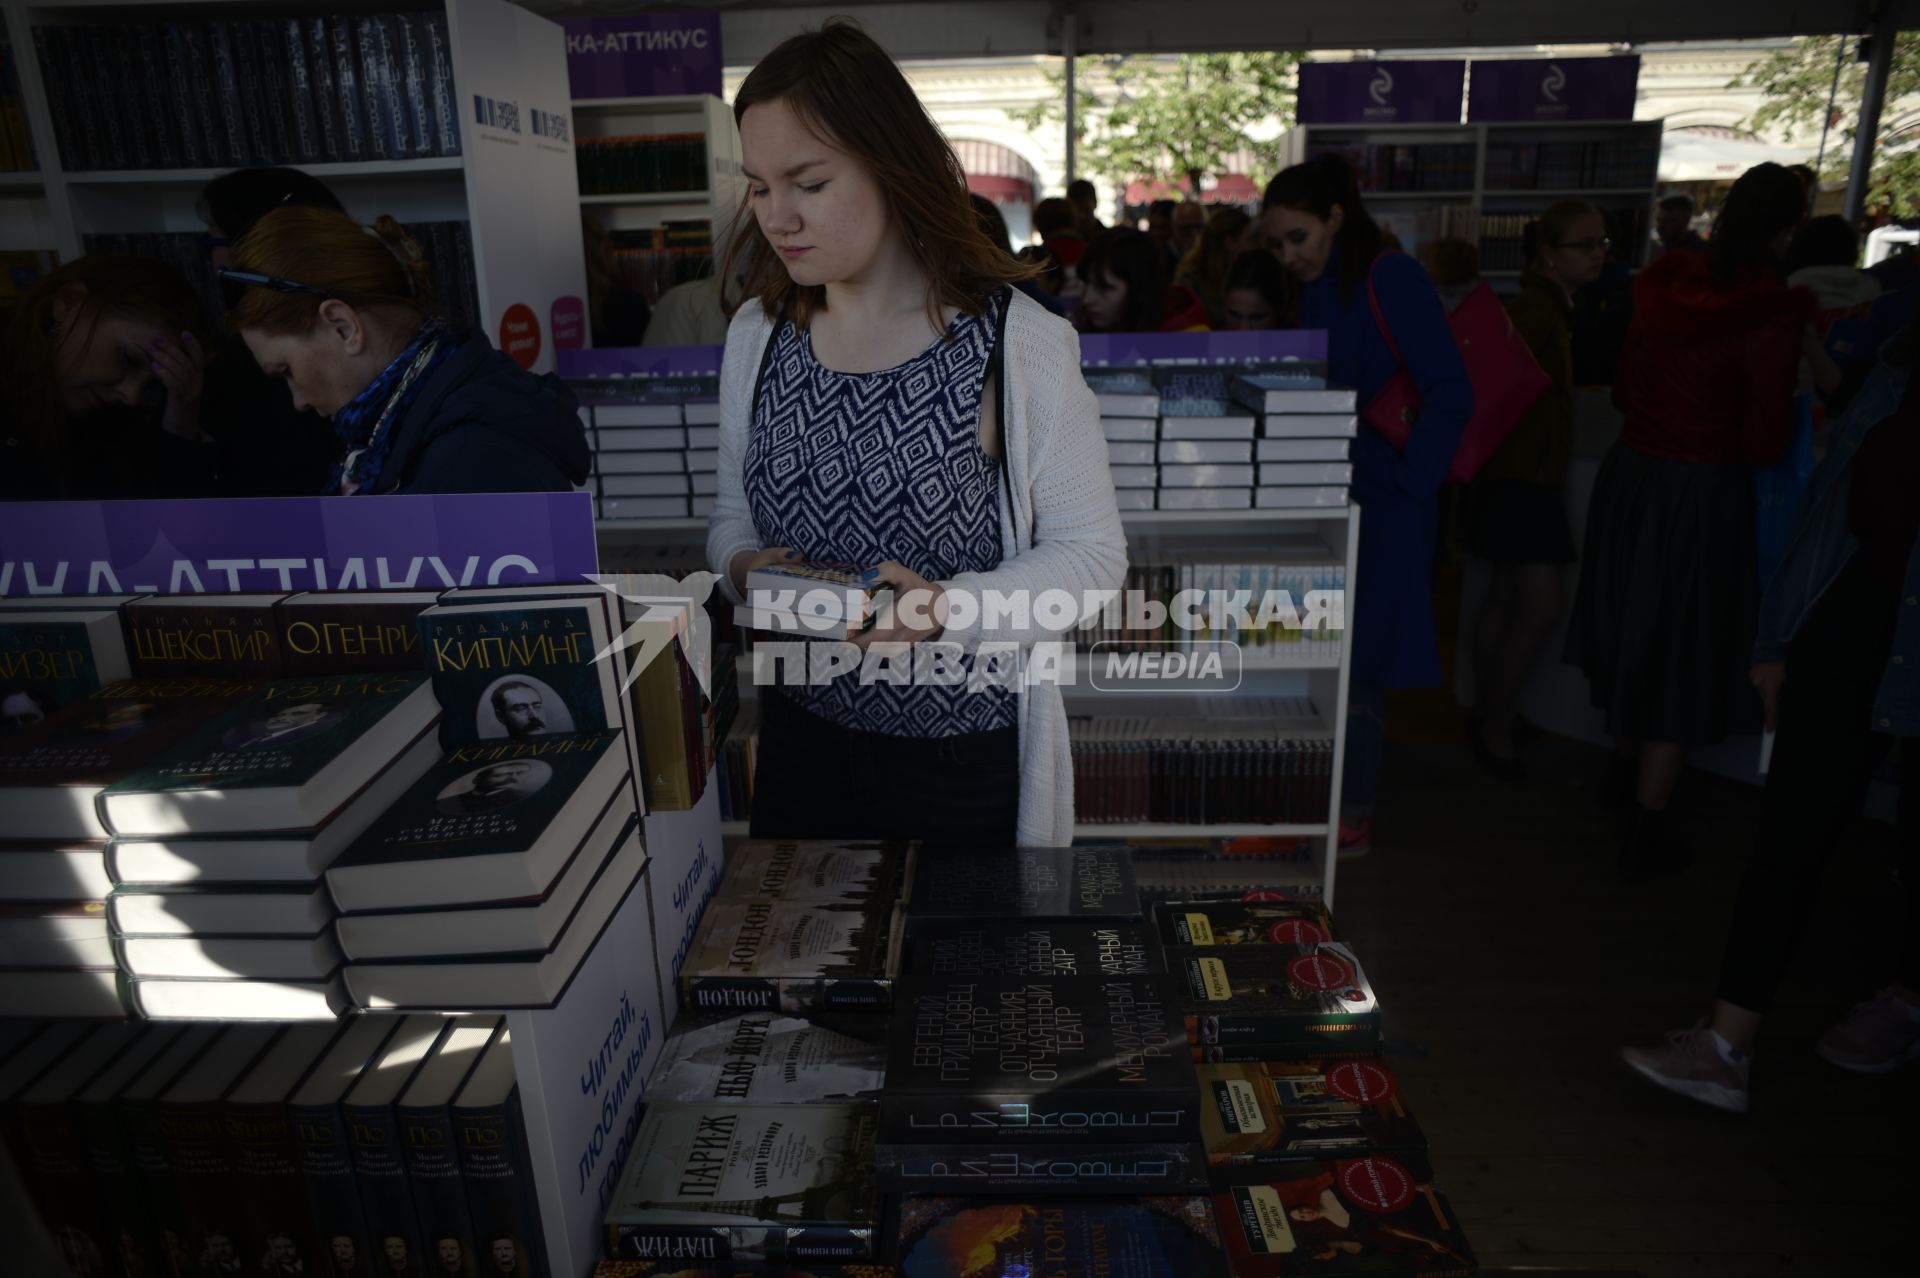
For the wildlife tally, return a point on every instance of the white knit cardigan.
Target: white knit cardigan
(1069, 533)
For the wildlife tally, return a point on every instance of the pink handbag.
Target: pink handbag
(1507, 380)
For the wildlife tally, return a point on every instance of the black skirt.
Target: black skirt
(1663, 622)
(1509, 521)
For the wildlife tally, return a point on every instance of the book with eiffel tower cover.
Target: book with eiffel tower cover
(727, 1183)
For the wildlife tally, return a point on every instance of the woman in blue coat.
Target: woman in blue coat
(1314, 221)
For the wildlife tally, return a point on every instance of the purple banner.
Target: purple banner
(640, 361)
(1381, 92)
(643, 55)
(1270, 346)
(1554, 89)
(294, 543)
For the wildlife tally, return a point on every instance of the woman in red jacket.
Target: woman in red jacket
(1663, 622)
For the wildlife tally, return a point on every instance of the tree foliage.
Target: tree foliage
(1794, 84)
(1179, 119)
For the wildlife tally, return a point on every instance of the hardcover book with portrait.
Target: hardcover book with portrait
(519, 668)
(286, 758)
(489, 822)
(49, 659)
(52, 773)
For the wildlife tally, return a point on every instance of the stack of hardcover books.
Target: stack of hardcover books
(656, 447)
(1306, 427)
(757, 1143)
(488, 881)
(375, 1143)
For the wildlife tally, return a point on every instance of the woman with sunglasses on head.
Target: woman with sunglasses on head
(107, 387)
(345, 315)
(888, 401)
(1517, 511)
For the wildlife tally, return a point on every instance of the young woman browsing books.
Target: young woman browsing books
(344, 313)
(887, 399)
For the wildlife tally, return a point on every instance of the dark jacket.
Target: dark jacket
(1541, 446)
(1391, 619)
(480, 423)
(1709, 374)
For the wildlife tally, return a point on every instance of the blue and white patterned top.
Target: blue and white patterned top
(861, 467)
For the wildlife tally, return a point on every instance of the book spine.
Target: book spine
(446, 117)
(308, 43)
(433, 1169)
(383, 105)
(170, 127)
(276, 80)
(53, 1161)
(156, 1185)
(498, 1179)
(410, 29)
(226, 85)
(120, 1188)
(183, 95)
(287, 38)
(50, 44)
(753, 1244)
(95, 45)
(380, 1166)
(1110, 1168)
(201, 1163)
(347, 92)
(139, 113)
(267, 1162)
(256, 109)
(326, 1171)
(208, 120)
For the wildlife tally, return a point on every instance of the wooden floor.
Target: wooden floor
(1511, 964)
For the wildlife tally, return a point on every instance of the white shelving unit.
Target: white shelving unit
(1626, 204)
(704, 114)
(523, 253)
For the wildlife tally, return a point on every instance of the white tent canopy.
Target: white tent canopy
(1720, 155)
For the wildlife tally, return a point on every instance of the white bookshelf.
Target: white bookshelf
(523, 251)
(1491, 193)
(701, 113)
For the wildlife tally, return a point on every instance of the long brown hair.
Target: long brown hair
(848, 92)
(1208, 260)
(116, 284)
(365, 267)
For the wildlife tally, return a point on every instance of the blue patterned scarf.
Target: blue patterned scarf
(366, 424)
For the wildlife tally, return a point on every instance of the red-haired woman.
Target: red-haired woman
(888, 400)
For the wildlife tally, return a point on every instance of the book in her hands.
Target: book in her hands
(52, 773)
(1307, 999)
(1259, 1112)
(769, 1058)
(726, 1183)
(281, 856)
(1069, 884)
(489, 822)
(492, 927)
(286, 758)
(537, 978)
(50, 659)
(828, 601)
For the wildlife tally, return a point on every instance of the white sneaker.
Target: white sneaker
(1877, 1037)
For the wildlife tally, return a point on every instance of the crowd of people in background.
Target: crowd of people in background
(1748, 557)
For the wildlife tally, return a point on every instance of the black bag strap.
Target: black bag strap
(760, 378)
